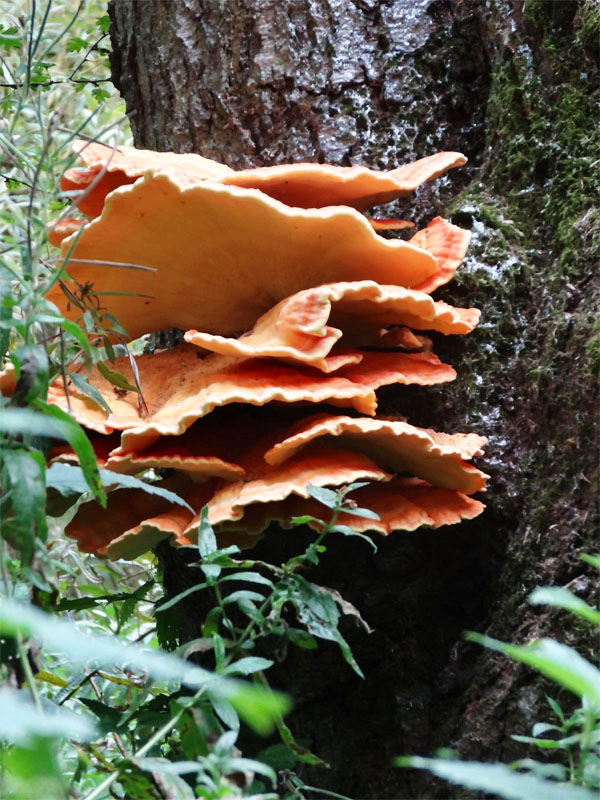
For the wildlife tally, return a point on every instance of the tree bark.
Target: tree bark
(381, 82)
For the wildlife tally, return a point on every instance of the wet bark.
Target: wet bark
(379, 83)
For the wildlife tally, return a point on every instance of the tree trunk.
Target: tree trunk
(381, 82)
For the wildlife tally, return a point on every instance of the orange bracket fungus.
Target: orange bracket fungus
(298, 185)
(306, 326)
(295, 311)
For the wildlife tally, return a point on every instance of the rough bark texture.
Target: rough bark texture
(514, 86)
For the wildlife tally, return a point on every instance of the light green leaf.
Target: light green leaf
(20, 720)
(593, 560)
(116, 378)
(557, 661)
(68, 479)
(325, 496)
(23, 474)
(22, 421)
(562, 598)
(76, 437)
(246, 666)
(82, 384)
(258, 707)
(496, 779)
(104, 651)
(207, 541)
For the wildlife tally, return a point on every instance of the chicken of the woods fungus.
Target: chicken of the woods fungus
(295, 311)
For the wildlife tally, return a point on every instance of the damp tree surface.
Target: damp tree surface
(512, 85)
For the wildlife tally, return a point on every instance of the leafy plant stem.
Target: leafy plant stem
(28, 672)
(160, 734)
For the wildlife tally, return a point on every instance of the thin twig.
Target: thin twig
(85, 58)
(63, 370)
(124, 264)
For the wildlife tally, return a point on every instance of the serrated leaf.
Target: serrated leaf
(100, 94)
(75, 44)
(68, 479)
(10, 39)
(103, 23)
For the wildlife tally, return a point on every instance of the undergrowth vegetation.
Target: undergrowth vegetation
(92, 706)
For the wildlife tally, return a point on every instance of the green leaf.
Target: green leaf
(103, 23)
(211, 623)
(76, 332)
(109, 719)
(247, 666)
(76, 437)
(359, 512)
(241, 594)
(547, 744)
(249, 765)
(219, 646)
(22, 421)
(20, 720)
(278, 756)
(346, 531)
(10, 39)
(496, 779)
(75, 44)
(562, 598)
(173, 600)
(225, 711)
(68, 479)
(302, 639)
(24, 477)
(259, 707)
(249, 577)
(247, 606)
(207, 541)
(593, 560)
(165, 775)
(100, 94)
(82, 384)
(114, 377)
(104, 651)
(557, 661)
(325, 496)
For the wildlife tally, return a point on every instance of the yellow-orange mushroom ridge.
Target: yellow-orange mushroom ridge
(296, 312)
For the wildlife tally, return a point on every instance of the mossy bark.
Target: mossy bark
(514, 86)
